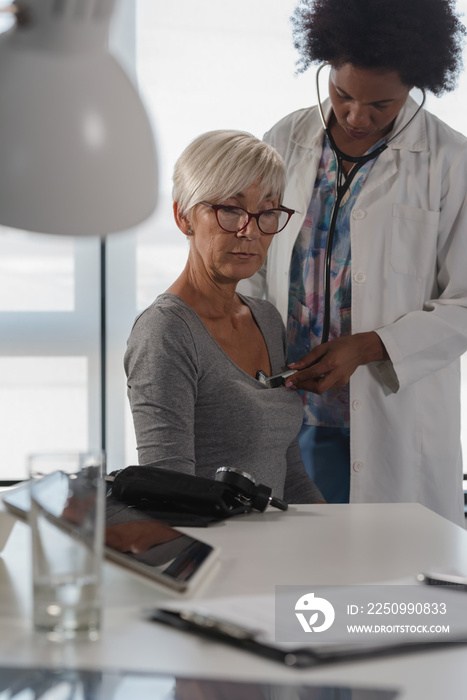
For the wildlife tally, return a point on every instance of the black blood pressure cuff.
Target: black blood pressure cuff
(174, 497)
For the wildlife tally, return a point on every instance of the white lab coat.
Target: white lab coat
(409, 283)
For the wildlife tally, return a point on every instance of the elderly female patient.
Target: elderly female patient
(193, 355)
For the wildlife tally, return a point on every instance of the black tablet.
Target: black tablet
(76, 684)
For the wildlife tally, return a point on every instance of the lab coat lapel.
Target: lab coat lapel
(413, 138)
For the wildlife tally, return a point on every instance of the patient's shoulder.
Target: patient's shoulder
(167, 311)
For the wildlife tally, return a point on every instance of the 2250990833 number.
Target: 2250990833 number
(396, 608)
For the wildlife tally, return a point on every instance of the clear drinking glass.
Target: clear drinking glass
(67, 527)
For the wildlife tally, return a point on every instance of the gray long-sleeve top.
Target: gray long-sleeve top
(195, 410)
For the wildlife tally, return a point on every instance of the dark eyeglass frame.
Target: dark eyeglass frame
(250, 216)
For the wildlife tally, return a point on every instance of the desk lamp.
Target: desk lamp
(77, 152)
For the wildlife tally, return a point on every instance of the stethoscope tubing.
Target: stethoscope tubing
(342, 186)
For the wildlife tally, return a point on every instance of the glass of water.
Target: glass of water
(67, 528)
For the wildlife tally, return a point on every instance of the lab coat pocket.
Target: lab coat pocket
(413, 241)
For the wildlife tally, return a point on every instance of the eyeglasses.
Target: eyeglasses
(235, 219)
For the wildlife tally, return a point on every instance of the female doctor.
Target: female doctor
(371, 276)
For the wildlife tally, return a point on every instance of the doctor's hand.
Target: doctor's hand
(330, 366)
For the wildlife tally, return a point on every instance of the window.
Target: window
(49, 346)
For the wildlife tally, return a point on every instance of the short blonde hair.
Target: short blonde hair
(220, 164)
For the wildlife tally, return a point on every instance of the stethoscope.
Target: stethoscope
(342, 186)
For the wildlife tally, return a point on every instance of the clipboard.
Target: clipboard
(224, 631)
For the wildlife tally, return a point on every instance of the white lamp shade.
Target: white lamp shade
(77, 153)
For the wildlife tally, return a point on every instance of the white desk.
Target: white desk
(307, 545)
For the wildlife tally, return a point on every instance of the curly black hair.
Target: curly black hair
(421, 40)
